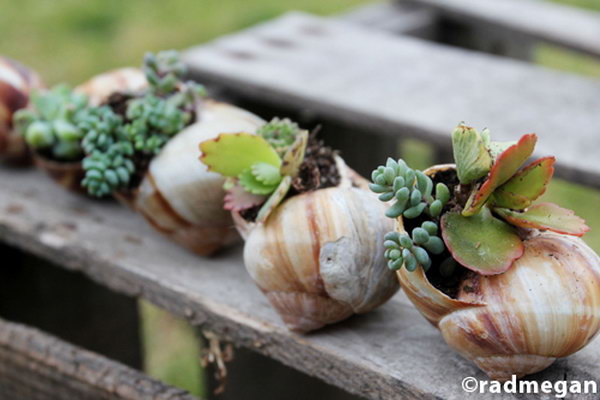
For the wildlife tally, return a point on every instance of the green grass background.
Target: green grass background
(71, 40)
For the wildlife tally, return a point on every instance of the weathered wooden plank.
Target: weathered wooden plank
(406, 87)
(387, 354)
(553, 23)
(36, 366)
(395, 17)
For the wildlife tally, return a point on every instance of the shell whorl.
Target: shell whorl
(179, 196)
(319, 257)
(546, 306)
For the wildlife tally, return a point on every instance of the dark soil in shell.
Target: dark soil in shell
(317, 171)
(449, 285)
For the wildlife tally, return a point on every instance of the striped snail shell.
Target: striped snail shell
(546, 306)
(179, 196)
(319, 257)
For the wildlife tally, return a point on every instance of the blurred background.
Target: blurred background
(71, 40)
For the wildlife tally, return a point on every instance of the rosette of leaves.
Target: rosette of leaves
(482, 231)
(259, 168)
(49, 125)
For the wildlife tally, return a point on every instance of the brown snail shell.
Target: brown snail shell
(546, 306)
(319, 257)
(67, 174)
(121, 80)
(16, 84)
(179, 196)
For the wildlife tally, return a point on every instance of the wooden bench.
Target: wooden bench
(403, 87)
(370, 85)
(36, 366)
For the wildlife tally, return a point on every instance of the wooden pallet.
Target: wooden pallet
(405, 87)
(36, 366)
(389, 353)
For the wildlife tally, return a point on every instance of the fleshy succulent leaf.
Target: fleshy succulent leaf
(294, 155)
(250, 183)
(497, 148)
(266, 173)
(481, 243)
(231, 154)
(503, 169)
(276, 197)
(238, 199)
(526, 185)
(546, 216)
(473, 161)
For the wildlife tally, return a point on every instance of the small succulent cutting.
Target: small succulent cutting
(477, 213)
(50, 125)
(120, 142)
(259, 168)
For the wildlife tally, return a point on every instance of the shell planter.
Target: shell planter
(313, 232)
(133, 134)
(16, 84)
(510, 284)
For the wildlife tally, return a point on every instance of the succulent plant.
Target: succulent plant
(514, 287)
(115, 143)
(49, 126)
(412, 193)
(259, 167)
(479, 232)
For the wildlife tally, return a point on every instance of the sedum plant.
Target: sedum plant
(50, 127)
(478, 219)
(259, 168)
(118, 145)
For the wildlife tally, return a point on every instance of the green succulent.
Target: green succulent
(114, 141)
(50, 124)
(259, 168)
(109, 170)
(154, 121)
(280, 133)
(412, 195)
(478, 229)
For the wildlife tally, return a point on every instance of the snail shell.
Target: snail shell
(179, 196)
(121, 80)
(546, 306)
(319, 257)
(16, 84)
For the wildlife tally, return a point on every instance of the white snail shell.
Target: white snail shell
(546, 306)
(179, 196)
(121, 80)
(319, 257)
(16, 84)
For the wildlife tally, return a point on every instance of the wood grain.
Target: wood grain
(387, 354)
(36, 366)
(406, 87)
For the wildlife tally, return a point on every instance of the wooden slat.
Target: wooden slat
(390, 353)
(574, 28)
(406, 87)
(36, 366)
(394, 17)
